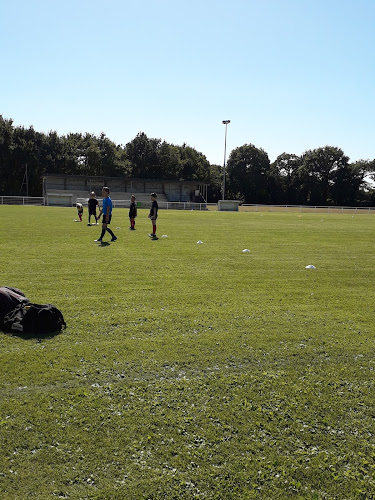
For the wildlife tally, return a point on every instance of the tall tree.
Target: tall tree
(352, 183)
(27, 150)
(214, 188)
(6, 145)
(142, 154)
(169, 160)
(285, 170)
(194, 165)
(248, 171)
(316, 173)
(53, 154)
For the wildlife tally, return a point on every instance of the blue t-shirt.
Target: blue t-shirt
(107, 202)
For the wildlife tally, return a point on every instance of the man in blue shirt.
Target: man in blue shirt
(107, 215)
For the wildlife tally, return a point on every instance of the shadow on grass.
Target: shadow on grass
(104, 244)
(31, 336)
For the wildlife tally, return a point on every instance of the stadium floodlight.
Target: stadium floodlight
(225, 122)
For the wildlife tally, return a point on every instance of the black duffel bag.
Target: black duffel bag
(36, 319)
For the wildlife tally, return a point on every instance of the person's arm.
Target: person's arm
(107, 214)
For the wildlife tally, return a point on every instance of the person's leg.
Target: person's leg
(113, 237)
(154, 227)
(104, 227)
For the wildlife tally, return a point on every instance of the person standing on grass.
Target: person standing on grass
(107, 215)
(153, 215)
(132, 212)
(93, 203)
(80, 211)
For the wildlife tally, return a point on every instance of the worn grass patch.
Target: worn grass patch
(191, 371)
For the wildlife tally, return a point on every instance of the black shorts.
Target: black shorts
(92, 212)
(109, 219)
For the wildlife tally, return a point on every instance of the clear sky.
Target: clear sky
(291, 75)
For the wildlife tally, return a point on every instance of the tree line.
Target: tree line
(322, 176)
(318, 177)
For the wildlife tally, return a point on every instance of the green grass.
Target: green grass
(191, 371)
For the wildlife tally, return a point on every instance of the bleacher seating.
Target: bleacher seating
(119, 199)
(65, 190)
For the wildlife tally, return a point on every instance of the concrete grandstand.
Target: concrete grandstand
(66, 190)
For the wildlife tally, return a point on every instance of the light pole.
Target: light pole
(225, 122)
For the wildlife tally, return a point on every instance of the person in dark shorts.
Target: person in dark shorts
(153, 215)
(132, 212)
(93, 204)
(107, 215)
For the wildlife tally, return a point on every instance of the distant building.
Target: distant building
(64, 190)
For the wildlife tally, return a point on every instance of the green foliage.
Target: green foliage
(249, 174)
(78, 154)
(154, 159)
(285, 168)
(191, 371)
(320, 176)
(318, 168)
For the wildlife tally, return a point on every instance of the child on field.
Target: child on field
(153, 215)
(107, 215)
(132, 212)
(93, 204)
(80, 211)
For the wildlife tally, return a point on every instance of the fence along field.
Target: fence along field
(191, 371)
(23, 200)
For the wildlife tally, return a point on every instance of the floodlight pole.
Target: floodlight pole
(225, 122)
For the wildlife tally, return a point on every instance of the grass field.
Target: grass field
(191, 371)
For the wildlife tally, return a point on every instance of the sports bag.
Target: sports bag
(35, 319)
(10, 298)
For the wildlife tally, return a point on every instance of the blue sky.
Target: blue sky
(291, 75)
